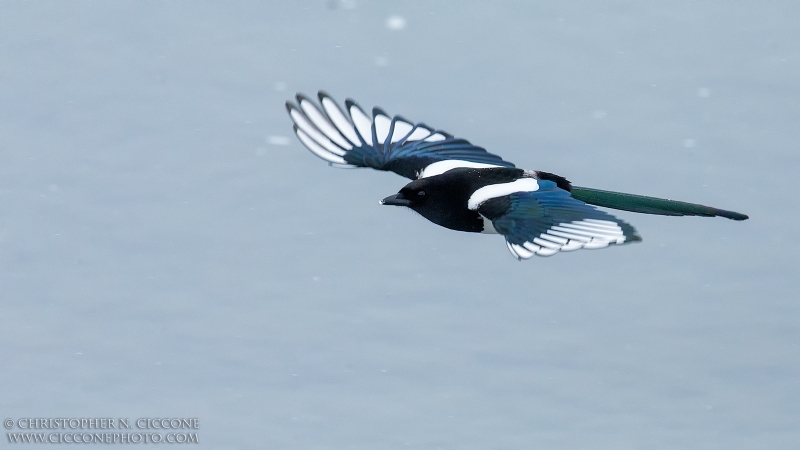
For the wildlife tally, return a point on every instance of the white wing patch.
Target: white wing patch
(488, 226)
(401, 129)
(519, 251)
(569, 236)
(362, 122)
(419, 133)
(323, 124)
(318, 149)
(382, 123)
(440, 167)
(340, 121)
(302, 122)
(435, 137)
(499, 190)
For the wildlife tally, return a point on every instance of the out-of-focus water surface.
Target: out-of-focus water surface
(168, 249)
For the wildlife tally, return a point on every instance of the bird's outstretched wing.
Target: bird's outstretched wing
(548, 220)
(351, 138)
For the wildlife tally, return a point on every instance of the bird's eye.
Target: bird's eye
(420, 194)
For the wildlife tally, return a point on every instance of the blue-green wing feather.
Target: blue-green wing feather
(549, 220)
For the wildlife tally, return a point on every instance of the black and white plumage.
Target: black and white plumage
(355, 139)
(463, 187)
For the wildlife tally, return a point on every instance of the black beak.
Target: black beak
(396, 200)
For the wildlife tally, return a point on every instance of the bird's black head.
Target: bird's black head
(442, 199)
(412, 196)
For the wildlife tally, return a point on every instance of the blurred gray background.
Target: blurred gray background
(168, 248)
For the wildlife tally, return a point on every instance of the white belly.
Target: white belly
(488, 228)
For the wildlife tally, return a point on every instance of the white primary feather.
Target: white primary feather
(340, 121)
(304, 124)
(382, 124)
(419, 134)
(401, 130)
(322, 123)
(318, 149)
(569, 236)
(363, 123)
(435, 137)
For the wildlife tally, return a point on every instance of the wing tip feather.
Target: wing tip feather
(300, 97)
(349, 103)
(378, 111)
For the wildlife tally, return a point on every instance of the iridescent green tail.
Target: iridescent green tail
(649, 205)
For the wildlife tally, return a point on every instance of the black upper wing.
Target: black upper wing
(354, 139)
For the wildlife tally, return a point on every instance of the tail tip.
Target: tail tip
(734, 215)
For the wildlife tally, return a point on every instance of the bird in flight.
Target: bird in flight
(463, 187)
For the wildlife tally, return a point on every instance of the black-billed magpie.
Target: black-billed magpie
(463, 187)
